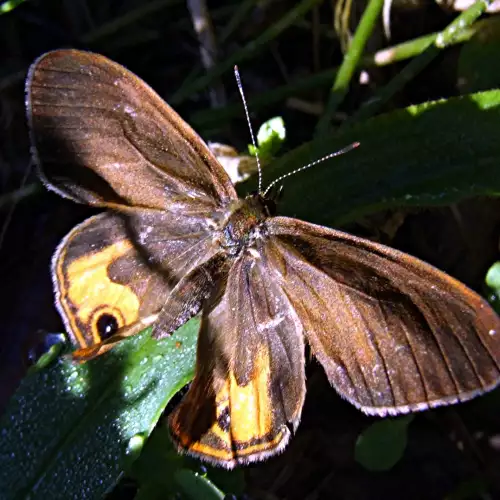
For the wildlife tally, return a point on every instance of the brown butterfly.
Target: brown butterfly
(393, 334)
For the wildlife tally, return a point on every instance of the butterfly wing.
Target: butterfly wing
(105, 285)
(393, 333)
(101, 136)
(249, 385)
(99, 278)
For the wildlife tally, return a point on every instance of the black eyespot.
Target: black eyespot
(107, 325)
(224, 420)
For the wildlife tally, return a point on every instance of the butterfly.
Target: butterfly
(392, 333)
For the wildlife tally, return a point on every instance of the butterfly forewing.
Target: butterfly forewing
(103, 136)
(394, 334)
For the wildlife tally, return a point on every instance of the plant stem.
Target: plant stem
(14, 197)
(209, 117)
(450, 35)
(349, 64)
(238, 17)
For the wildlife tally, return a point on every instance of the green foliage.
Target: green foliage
(493, 277)
(71, 428)
(492, 281)
(478, 67)
(48, 357)
(470, 489)
(433, 153)
(9, 5)
(270, 138)
(381, 446)
(161, 473)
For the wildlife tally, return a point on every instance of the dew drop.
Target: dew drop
(135, 444)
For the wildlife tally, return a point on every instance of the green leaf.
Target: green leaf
(196, 486)
(270, 137)
(470, 489)
(54, 344)
(9, 5)
(382, 445)
(430, 154)
(161, 472)
(493, 277)
(70, 430)
(492, 281)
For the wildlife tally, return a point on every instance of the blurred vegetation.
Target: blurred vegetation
(417, 83)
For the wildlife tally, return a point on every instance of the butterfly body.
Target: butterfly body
(393, 333)
(245, 223)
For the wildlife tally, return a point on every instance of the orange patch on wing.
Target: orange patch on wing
(199, 448)
(250, 406)
(249, 410)
(90, 290)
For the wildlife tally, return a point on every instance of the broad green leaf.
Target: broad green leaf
(429, 154)
(381, 446)
(69, 429)
(471, 489)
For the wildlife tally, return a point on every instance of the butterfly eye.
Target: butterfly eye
(106, 325)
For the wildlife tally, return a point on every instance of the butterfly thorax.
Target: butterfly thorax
(244, 223)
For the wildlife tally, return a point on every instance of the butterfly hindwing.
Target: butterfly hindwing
(102, 284)
(249, 385)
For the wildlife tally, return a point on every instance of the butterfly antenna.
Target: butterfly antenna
(240, 88)
(352, 146)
